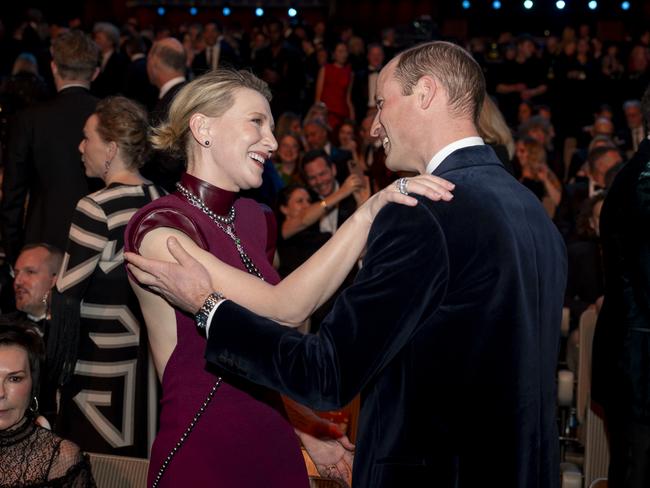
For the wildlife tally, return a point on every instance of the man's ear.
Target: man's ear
(425, 91)
(200, 128)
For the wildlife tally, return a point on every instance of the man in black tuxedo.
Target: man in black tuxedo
(365, 82)
(113, 65)
(166, 70)
(621, 360)
(136, 80)
(217, 53)
(43, 159)
(450, 331)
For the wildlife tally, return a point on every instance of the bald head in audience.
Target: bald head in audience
(166, 61)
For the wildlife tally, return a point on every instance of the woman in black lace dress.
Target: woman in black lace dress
(31, 456)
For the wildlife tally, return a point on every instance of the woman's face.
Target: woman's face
(341, 53)
(522, 153)
(524, 112)
(346, 135)
(288, 149)
(298, 201)
(94, 151)
(15, 385)
(241, 140)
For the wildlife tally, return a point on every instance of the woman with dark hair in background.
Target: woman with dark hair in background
(30, 455)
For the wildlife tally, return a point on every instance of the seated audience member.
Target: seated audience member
(316, 133)
(634, 131)
(30, 455)
(320, 174)
(97, 326)
(35, 274)
(585, 280)
(537, 176)
(286, 123)
(287, 158)
(349, 139)
(599, 162)
(541, 129)
(299, 237)
(338, 201)
(601, 133)
(495, 132)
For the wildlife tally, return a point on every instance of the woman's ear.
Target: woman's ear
(111, 150)
(200, 128)
(284, 210)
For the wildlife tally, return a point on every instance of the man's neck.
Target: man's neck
(63, 84)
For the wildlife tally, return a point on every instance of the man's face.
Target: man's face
(607, 161)
(316, 136)
(633, 117)
(210, 34)
(392, 122)
(33, 280)
(321, 177)
(375, 56)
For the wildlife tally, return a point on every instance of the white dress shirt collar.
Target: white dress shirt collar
(169, 85)
(440, 156)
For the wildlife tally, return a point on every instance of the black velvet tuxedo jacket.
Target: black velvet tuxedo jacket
(43, 162)
(621, 354)
(450, 332)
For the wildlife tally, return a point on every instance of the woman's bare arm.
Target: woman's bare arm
(297, 296)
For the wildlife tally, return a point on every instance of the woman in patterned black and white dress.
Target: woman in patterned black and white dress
(97, 343)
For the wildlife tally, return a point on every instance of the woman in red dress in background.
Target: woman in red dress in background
(334, 87)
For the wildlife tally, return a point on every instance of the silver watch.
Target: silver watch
(202, 315)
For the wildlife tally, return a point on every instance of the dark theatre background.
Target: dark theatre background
(412, 18)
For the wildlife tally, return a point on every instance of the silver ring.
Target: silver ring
(402, 186)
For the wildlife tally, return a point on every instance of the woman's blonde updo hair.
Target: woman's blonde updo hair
(211, 94)
(124, 122)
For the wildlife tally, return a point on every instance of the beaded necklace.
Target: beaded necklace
(226, 224)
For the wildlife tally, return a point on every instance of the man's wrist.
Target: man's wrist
(204, 313)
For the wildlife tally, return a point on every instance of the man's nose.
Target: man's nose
(375, 128)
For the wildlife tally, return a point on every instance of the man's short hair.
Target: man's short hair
(112, 32)
(596, 153)
(313, 155)
(451, 65)
(631, 103)
(55, 256)
(171, 58)
(75, 55)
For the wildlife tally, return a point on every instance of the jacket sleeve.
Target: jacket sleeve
(15, 185)
(399, 288)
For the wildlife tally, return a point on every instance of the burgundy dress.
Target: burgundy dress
(242, 440)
